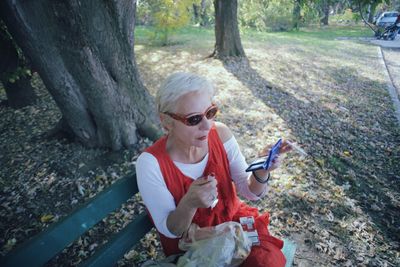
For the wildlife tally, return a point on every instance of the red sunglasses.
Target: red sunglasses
(194, 119)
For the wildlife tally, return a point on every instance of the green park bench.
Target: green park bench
(47, 244)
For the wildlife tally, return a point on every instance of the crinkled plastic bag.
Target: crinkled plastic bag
(222, 245)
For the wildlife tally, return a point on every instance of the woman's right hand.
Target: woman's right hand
(202, 192)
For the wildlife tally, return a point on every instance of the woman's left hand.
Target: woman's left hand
(285, 147)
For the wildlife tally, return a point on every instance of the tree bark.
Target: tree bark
(372, 10)
(196, 14)
(20, 92)
(227, 36)
(296, 14)
(325, 13)
(84, 52)
(203, 14)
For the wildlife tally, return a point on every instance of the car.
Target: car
(387, 19)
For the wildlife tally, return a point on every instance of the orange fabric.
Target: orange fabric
(229, 207)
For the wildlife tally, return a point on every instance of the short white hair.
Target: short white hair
(177, 85)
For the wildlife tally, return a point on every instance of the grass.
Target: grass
(194, 34)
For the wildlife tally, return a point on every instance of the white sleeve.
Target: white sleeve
(155, 194)
(238, 166)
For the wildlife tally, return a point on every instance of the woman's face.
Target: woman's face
(197, 135)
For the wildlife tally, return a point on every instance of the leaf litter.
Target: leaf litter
(340, 204)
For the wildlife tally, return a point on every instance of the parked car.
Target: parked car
(387, 19)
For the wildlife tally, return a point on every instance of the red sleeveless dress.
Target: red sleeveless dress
(229, 207)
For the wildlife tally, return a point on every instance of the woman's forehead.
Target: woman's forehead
(193, 102)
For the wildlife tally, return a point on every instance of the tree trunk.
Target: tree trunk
(227, 37)
(19, 92)
(196, 14)
(83, 51)
(325, 13)
(372, 10)
(203, 14)
(296, 14)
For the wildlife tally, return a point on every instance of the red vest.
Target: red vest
(229, 207)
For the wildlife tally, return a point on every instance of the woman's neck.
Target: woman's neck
(185, 154)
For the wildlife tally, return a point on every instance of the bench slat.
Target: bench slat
(44, 246)
(115, 249)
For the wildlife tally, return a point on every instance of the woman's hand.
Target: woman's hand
(285, 147)
(202, 192)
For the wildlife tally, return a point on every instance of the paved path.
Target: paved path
(387, 44)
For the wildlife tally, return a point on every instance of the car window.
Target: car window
(390, 15)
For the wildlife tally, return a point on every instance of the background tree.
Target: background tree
(297, 14)
(170, 15)
(83, 51)
(227, 36)
(14, 72)
(324, 11)
(200, 12)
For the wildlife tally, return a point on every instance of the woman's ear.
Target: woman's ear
(165, 122)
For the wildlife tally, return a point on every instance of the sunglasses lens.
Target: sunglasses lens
(194, 120)
(211, 113)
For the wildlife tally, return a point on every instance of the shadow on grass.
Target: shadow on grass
(369, 179)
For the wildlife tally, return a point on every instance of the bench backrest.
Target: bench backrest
(44, 246)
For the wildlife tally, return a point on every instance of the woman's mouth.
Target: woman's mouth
(202, 138)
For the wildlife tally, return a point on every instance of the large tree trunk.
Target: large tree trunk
(18, 89)
(83, 51)
(227, 37)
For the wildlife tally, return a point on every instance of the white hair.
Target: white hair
(177, 85)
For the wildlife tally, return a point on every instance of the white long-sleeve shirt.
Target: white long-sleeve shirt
(160, 202)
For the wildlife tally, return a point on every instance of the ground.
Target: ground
(340, 203)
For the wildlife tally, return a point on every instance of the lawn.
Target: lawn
(340, 203)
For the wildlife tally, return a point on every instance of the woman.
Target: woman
(183, 173)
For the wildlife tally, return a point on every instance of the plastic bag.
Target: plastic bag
(222, 245)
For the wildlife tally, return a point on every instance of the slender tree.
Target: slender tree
(84, 52)
(297, 14)
(227, 36)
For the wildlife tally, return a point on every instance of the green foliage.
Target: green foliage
(251, 14)
(20, 72)
(262, 15)
(278, 15)
(166, 16)
(310, 14)
(348, 17)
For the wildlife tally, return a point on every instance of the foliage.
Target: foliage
(275, 15)
(252, 14)
(167, 16)
(22, 70)
(347, 17)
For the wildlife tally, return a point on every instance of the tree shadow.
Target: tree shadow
(370, 169)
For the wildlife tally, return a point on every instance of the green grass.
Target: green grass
(194, 34)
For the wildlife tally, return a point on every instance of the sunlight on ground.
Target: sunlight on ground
(315, 78)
